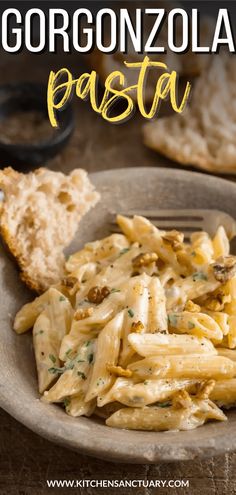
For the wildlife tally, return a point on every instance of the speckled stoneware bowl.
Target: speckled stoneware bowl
(120, 190)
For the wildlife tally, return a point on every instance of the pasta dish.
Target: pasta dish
(141, 331)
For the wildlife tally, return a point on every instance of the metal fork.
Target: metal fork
(187, 221)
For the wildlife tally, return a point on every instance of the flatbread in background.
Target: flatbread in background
(186, 64)
(204, 135)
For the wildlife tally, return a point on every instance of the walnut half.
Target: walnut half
(72, 284)
(204, 389)
(192, 307)
(224, 268)
(217, 300)
(144, 259)
(182, 399)
(137, 326)
(97, 294)
(174, 238)
(118, 370)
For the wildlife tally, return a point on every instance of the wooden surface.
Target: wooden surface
(26, 460)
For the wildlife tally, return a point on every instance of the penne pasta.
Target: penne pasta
(108, 347)
(157, 316)
(222, 319)
(113, 274)
(200, 366)
(224, 393)
(199, 324)
(76, 406)
(74, 376)
(220, 243)
(97, 251)
(232, 332)
(90, 326)
(133, 394)
(136, 311)
(167, 276)
(141, 331)
(196, 285)
(49, 329)
(160, 344)
(139, 229)
(169, 418)
(26, 317)
(202, 251)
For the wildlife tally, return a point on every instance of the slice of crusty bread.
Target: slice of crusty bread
(204, 135)
(39, 218)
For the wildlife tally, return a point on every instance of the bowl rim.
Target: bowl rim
(111, 449)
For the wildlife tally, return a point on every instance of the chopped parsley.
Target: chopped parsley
(124, 250)
(130, 312)
(163, 404)
(193, 253)
(114, 290)
(55, 370)
(71, 363)
(52, 357)
(66, 401)
(83, 376)
(39, 332)
(68, 352)
(190, 325)
(172, 319)
(69, 366)
(90, 358)
(146, 382)
(62, 298)
(87, 343)
(199, 276)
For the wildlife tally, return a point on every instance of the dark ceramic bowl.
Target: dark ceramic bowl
(25, 97)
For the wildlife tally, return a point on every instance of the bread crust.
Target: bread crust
(9, 178)
(204, 135)
(170, 153)
(10, 242)
(12, 247)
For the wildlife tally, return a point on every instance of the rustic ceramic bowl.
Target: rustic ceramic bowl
(121, 190)
(24, 97)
